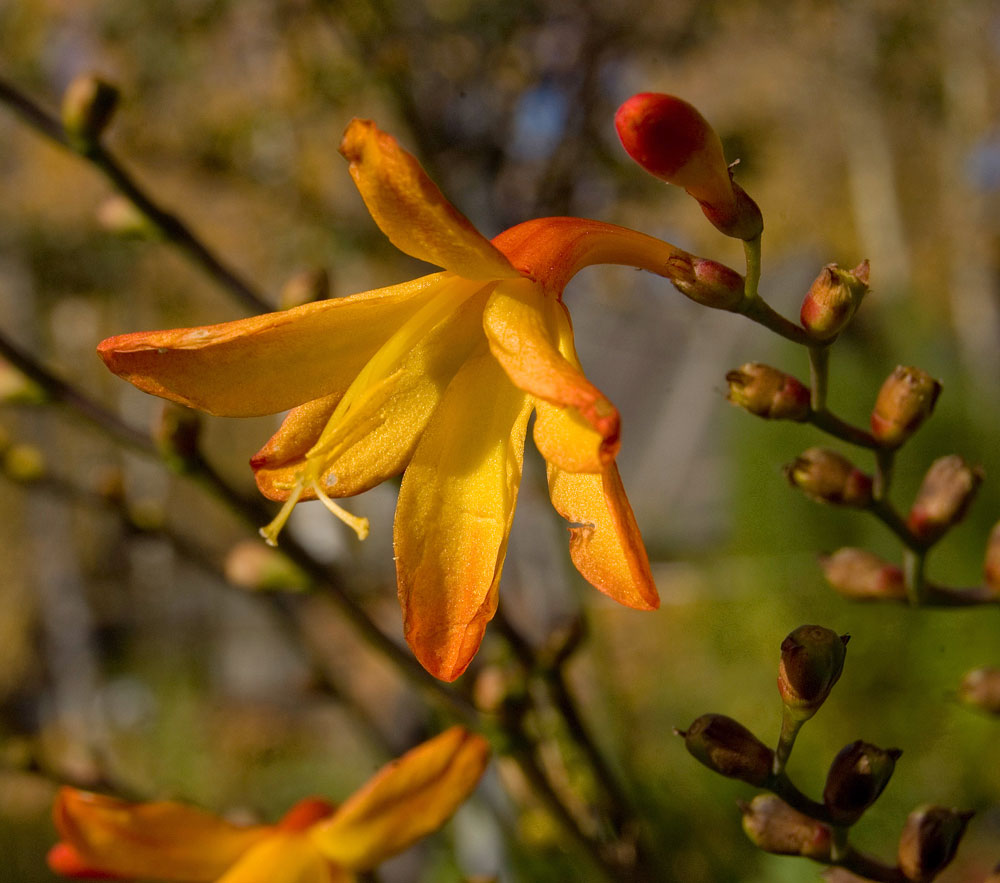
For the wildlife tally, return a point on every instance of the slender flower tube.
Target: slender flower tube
(437, 377)
(316, 842)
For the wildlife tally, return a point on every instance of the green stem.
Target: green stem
(884, 511)
(819, 373)
(869, 868)
(780, 785)
(839, 847)
(758, 310)
(833, 425)
(751, 249)
(913, 575)
(884, 459)
(790, 727)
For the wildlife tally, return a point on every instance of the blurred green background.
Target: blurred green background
(863, 129)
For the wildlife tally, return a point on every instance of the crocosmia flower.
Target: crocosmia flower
(316, 842)
(437, 377)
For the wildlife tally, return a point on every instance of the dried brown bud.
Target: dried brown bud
(304, 288)
(944, 496)
(177, 433)
(857, 776)
(829, 477)
(87, 106)
(775, 827)
(707, 282)
(904, 402)
(812, 658)
(980, 688)
(991, 563)
(929, 841)
(833, 299)
(863, 576)
(730, 749)
(768, 392)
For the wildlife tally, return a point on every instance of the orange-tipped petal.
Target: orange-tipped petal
(456, 504)
(168, 841)
(410, 209)
(285, 858)
(605, 546)
(64, 860)
(268, 363)
(531, 337)
(406, 800)
(383, 427)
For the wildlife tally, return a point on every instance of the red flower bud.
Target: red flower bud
(832, 300)
(730, 749)
(905, 400)
(828, 477)
(980, 688)
(863, 576)
(708, 282)
(944, 496)
(929, 841)
(857, 776)
(812, 658)
(991, 563)
(669, 138)
(768, 392)
(775, 827)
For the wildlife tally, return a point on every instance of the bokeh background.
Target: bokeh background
(863, 129)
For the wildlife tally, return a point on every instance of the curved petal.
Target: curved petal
(454, 513)
(268, 363)
(604, 542)
(382, 430)
(410, 209)
(406, 800)
(531, 336)
(163, 840)
(285, 858)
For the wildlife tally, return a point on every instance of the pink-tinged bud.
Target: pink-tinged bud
(768, 392)
(980, 688)
(670, 139)
(857, 776)
(929, 841)
(812, 658)
(707, 282)
(87, 107)
(775, 827)
(905, 401)
(730, 749)
(863, 576)
(943, 498)
(118, 214)
(828, 477)
(177, 434)
(304, 288)
(991, 562)
(260, 568)
(833, 299)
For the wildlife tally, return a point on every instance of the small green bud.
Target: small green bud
(87, 107)
(829, 477)
(304, 288)
(812, 658)
(775, 827)
(980, 688)
(904, 402)
(944, 496)
(863, 576)
(929, 841)
(857, 776)
(730, 749)
(177, 434)
(768, 392)
(833, 299)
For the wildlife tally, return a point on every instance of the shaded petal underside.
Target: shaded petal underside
(454, 513)
(284, 858)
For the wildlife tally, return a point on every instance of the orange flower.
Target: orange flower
(106, 838)
(437, 376)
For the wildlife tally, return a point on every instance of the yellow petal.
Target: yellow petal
(606, 546)
(564, 438)
(410, 209)
(454, 513)
(269, 363)
(381, 430)
(285, 858)
(531, 336)
(168, 841)
(406, 800)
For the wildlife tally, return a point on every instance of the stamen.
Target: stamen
(357, 524)
(270, 532)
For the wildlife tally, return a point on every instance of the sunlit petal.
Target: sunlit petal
(268, 363)
(406, 800)
(284, 858)
(530, 335)
(454, 514)
(604, 543)
(411, 210)
(163, 840)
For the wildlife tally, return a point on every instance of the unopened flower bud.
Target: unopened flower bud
(812, 658)
(253, 565)
(768, 392)
(17, 389)
(670, 139)
(87, 106)
(304, 288)
(863, 576)
(929, 841)
(980, 688)
(707, 282)
(833, 299)
(857, 776)
(944, 496)
(23, 463)
(829, 477)
(775, 827)
(991, 563)
(730, 749)
(905, 400)
(177, 433)
(118, 214)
